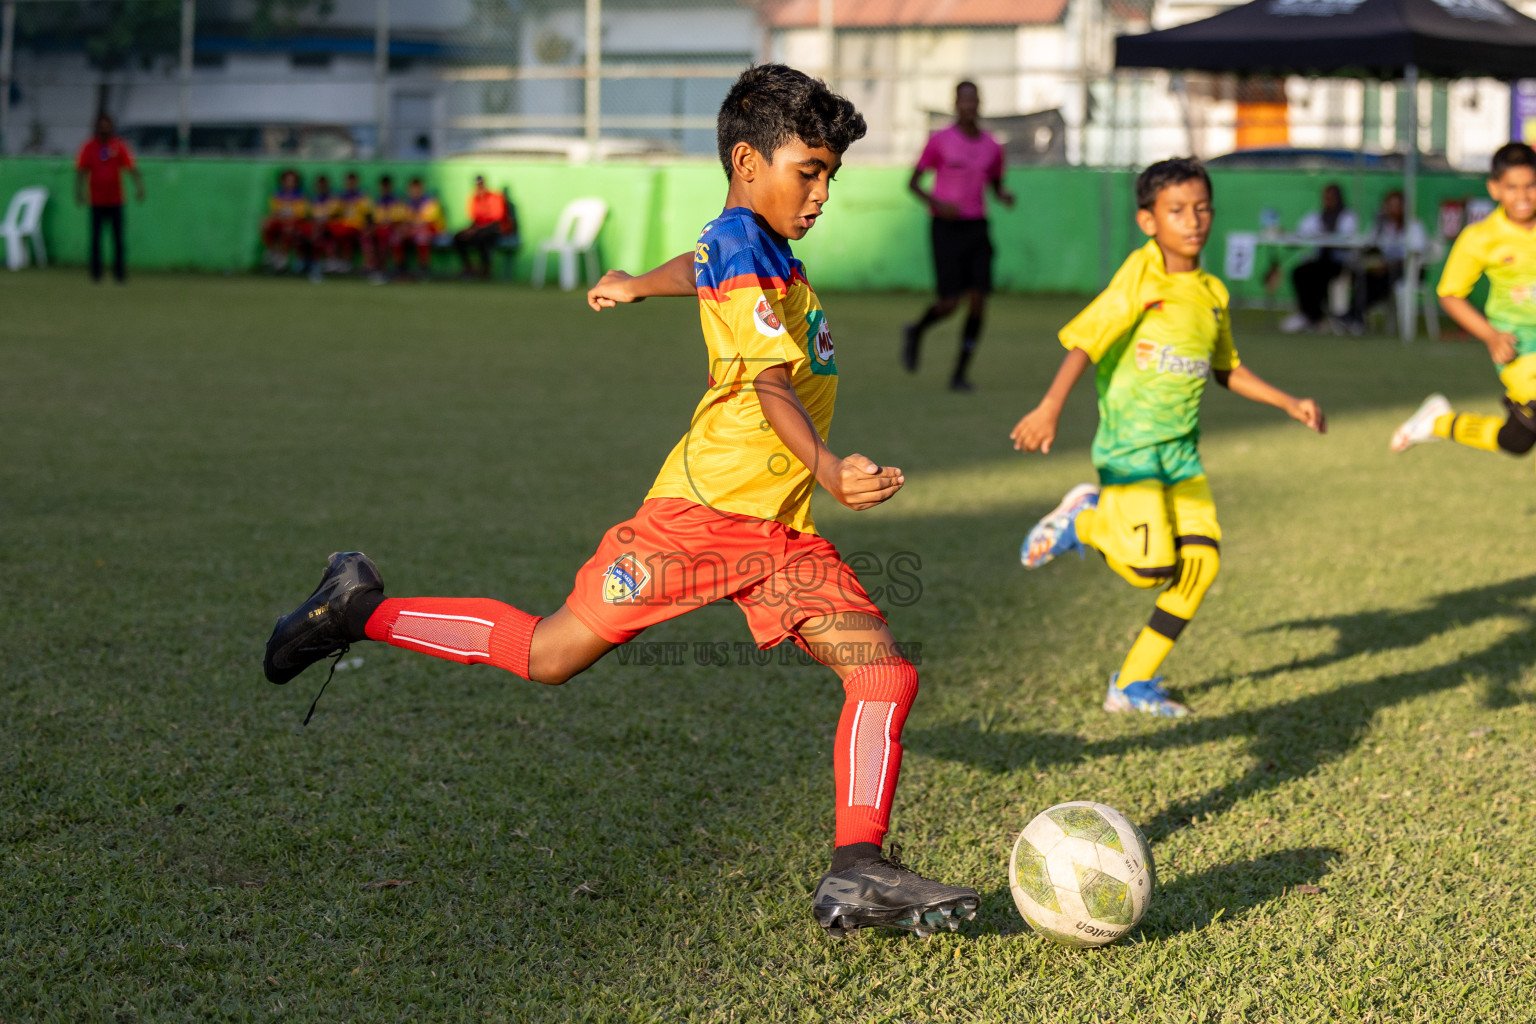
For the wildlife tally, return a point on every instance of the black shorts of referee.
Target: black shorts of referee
(962, 257)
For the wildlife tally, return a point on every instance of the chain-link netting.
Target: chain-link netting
(641, 79)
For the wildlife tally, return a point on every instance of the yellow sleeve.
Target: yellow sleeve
(1464, 265)
(1108, 316)
(1225, 355)
(752, 309)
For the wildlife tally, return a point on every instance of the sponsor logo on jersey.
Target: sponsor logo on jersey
(766, 319)
(624, 580)
(1163, 359)
(819, 340)
(1522, 293)
(701, 253)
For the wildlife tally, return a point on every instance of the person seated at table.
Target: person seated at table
(421, 228)
(348, 229)
(1392, 238)
(1312, 278)
(390, 215)
(286, 226)
(489, 219)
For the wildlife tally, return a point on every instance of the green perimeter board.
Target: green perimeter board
(1067, 233)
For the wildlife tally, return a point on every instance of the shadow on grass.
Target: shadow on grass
(1294, 738)
(1374, 632)
(1192, 902)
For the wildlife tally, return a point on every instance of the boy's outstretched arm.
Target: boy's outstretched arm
(854, 481)
(1036, 431)
(1243, 381)
(674, 277)
(1501, 344)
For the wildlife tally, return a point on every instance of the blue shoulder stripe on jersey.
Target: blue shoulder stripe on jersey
(734, 245)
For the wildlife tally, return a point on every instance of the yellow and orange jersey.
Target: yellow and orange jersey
(355, 209)
(391, 209)
(285, 205)
(325, 207)
(758, 311)
(427, 212)
(1506, 252)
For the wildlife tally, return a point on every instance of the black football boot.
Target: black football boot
(329, 621)
(885, 893)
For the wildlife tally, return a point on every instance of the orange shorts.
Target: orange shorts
(675, 556)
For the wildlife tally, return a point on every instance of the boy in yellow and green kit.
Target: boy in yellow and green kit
(1156, 333)
(1502, 246)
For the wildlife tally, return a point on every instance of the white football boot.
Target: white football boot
(1420, 427)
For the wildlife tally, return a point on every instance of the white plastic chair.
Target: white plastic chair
(575, 235)
(24, 221)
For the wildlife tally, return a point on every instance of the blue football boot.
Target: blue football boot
(1147, 696)
(1056, 534)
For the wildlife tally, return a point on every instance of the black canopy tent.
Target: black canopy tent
(1357, 38)
(1385, 39)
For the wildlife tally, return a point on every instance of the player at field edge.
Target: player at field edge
(729, 514)
(1502, 246)
(965, 161)
(417, 233)
(287, 226)
(391, 216)
(1156, 333)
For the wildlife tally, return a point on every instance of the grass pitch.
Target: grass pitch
(1343, 832)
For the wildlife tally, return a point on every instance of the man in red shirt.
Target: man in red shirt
(489, 219)
(965, 161)
(99, 174)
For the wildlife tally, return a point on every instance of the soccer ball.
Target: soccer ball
(1081, 874)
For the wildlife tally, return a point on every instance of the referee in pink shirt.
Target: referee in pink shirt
(965, 160)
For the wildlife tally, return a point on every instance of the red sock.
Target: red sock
(469, 630)
(867, 759)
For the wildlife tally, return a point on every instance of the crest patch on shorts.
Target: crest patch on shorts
(624, 580)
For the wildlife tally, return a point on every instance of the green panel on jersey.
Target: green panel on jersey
(1106, 897)
(1086, 823)
(1034, 879)
(1168, 462)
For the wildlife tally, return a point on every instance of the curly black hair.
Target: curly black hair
(1511, 154)
(1166, 173)
(771, 104)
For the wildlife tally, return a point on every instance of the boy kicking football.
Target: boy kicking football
(1156, 333)
(1502, 246)
(729, 515)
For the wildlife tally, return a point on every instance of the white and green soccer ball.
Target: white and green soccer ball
(1081, 874)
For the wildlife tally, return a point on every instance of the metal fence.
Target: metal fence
(639, 79)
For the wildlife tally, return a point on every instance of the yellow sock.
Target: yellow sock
(1198, 565)
(1146, 657)
(1470, 429)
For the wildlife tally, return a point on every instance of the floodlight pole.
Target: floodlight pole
(184, 120)
(827, 26)
(592, 107)
(381, 78)
(1408, 307)
(7, 51)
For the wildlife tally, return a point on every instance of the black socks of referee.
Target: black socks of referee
(969, 338)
